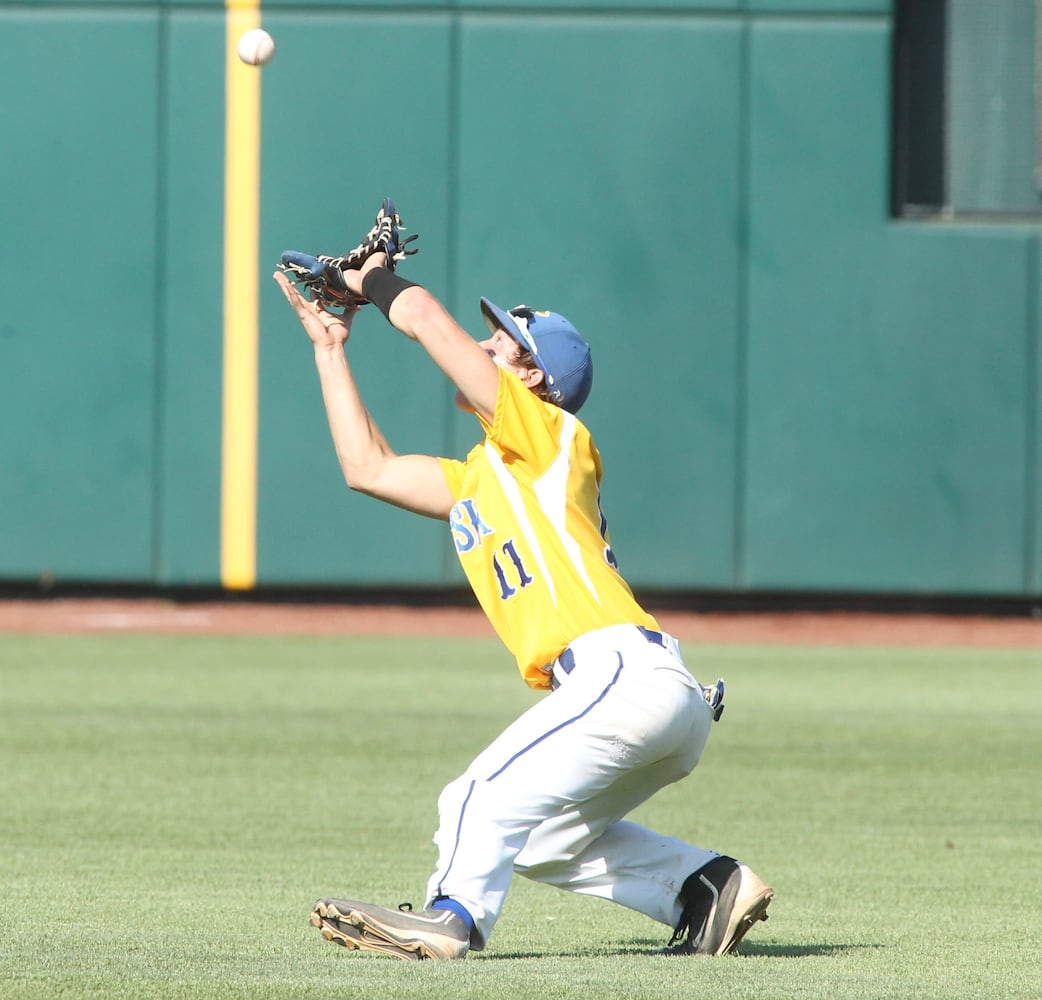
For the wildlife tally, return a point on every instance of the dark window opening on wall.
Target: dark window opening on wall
(966, 126)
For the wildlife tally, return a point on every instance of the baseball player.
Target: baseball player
(623, 716)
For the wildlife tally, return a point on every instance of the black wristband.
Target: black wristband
(382, 286)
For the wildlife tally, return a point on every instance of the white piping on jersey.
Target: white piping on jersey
(551, 490)
(551, 493)
(513, 494)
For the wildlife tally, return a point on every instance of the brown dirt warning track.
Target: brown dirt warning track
(118, 615)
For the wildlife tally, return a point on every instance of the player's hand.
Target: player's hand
(324, 329)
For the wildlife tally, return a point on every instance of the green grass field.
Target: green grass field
(170, 807)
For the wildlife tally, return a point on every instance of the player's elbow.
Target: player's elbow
(356, 481)
(416, 312)
(362, 476)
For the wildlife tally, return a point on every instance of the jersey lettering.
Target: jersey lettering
(466, 525)
(524, 579)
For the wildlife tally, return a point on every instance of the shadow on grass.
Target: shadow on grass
(798, 950)
(655, 948)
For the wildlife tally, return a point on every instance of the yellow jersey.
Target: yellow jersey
(528, 529)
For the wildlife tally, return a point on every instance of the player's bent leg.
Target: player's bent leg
(618, 730)
(711, 905)
(627, 864)
(400, 933)
(599, 746)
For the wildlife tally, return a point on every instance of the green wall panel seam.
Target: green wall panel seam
(452, 255)
(1031, 416)
(160, 374)
(741, 377)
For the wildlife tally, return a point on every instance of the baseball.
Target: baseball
(256, 47)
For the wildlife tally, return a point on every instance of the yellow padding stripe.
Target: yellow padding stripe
(241, 214)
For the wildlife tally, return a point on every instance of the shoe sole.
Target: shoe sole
(351, 938)
(351, 930)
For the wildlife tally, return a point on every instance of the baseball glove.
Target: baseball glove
(323, 276)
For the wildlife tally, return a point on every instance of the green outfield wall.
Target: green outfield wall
(794, 391)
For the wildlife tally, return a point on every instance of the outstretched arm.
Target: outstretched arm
(414, 482)
(421, 317)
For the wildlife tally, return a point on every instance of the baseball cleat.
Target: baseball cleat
(722, 900)
(400, 933)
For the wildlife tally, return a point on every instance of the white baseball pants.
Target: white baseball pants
(547, 798)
